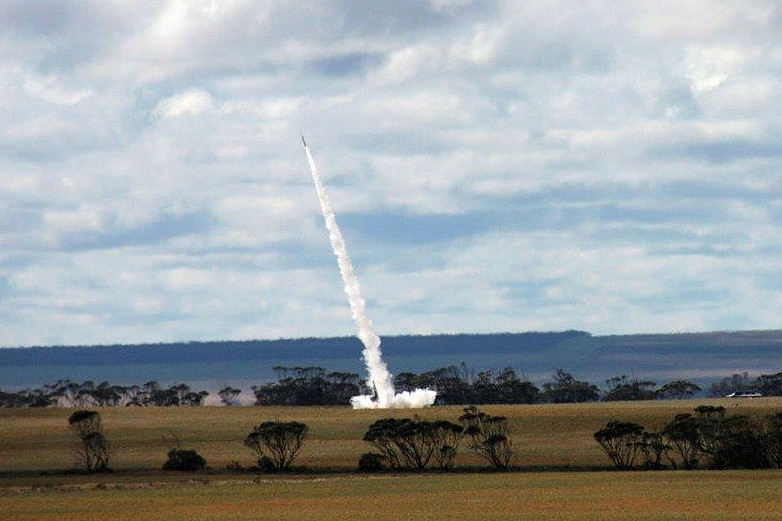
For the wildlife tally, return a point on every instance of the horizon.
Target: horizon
(401, 335)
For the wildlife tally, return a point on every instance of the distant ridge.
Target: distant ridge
(661, 357)
(283, 349)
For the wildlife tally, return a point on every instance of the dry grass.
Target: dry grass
(711, 496)
(545, 435)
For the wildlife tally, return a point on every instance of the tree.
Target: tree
(626, 389)
(683, 435)
(229, 396)
(769, 384)
(730, 441)
(65, 392)
(772, 437)
(739, 445)
(26, 398)
(513, 389)
(277, 442)
(177, 395)
(308, 386)
(10, 399)
(678, 390)
(653, 447)
(566, 389)
(737, 383)
(93, 450)
(406, 381)
(447, 437)
(406, 443)
(710, 423)
(106, 395)
(391, 437)
(449, 382)
(620, 441)
(489, 437)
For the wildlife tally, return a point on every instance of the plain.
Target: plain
(562, 472)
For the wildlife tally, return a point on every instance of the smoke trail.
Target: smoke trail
(379, 376)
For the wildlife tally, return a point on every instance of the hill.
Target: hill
(701, 357)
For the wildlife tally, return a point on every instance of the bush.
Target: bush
(184, 460)
(370, 462)
(266, 464)
(234, 466)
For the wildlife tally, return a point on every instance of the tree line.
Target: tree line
(706, 438)
(455, 385)
(400, 444)
(67, 393)
(458, 385)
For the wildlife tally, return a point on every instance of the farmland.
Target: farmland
(561, 469)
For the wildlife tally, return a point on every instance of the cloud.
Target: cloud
(191, 102)
(495, 166)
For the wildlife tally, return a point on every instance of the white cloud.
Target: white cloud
(48, 90)
(408, 63)
(496, 166)
(191, 102)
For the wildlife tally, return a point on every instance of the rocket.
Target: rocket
(302, 140)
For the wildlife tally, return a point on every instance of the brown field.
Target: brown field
(34, 452)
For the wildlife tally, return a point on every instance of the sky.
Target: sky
(613, 167)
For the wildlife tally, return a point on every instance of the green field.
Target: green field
(559, 475)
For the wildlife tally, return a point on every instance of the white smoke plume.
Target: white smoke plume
(385, 396)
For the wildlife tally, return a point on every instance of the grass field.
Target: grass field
(34, 452)
(582, 496)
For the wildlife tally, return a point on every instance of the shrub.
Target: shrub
(370, 462)
(266, 464)
(234, 466)
(184, 460)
